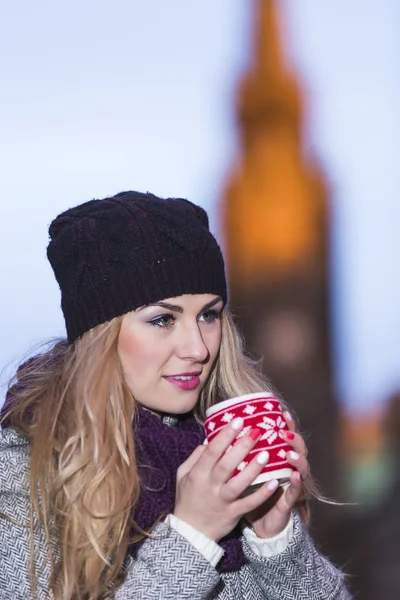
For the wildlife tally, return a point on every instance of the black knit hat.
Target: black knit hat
(114, 255)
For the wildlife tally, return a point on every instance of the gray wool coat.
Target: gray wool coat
(167, 567)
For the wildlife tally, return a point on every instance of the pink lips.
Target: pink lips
(185, 384)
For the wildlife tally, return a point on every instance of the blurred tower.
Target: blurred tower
(276, 218)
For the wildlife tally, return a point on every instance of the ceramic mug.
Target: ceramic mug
(262, 411)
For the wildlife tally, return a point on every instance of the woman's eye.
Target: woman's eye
(210, 316)
(163, 321)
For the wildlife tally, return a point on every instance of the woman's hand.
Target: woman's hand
(272, 517)
(207, 498)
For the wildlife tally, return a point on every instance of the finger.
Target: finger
(289, 420)
(295, 489)
(189, 463)
(296, 441)
(300, 463)
(253, 501)
(238, 484)
(219, 445)
(229, 462)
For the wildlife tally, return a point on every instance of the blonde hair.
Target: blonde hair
(74, 406)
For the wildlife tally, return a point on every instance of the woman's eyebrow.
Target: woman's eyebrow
(212, 303)
(179, 309)
(172, 307)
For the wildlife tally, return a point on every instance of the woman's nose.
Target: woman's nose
(192, 346)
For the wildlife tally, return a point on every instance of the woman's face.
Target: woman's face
(167, 350)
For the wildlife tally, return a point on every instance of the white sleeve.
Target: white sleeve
(207, 547)
(267, 547)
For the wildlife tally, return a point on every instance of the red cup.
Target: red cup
(262, 411)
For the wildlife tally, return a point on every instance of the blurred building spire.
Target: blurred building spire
(275, 205)
(275, 216)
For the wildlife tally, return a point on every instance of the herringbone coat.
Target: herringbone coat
(168, 567)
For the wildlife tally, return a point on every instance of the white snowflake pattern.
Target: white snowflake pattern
(242, 465)
(282, 453)
(227, 418)
(280, 422)
(272, 428)
(243, 432)
(269, 406)
(249, 409)
(211, 425)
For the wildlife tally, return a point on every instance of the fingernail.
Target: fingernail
(262, 457)
(289, 435)
(273, 484)
(298, 476)
(237, 423)
(294, 455)
(255, 433)
(288, 416)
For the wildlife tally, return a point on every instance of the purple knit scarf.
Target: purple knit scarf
(160, 450)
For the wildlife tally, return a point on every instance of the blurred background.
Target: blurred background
(281, 118)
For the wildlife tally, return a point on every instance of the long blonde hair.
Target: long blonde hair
(74, 406)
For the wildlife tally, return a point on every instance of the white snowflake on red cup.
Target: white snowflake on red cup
(227, 418)
(272, 428)
(248, 410)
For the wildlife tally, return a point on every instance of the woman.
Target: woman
(106, 487)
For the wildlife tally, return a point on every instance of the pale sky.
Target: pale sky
(99, 97)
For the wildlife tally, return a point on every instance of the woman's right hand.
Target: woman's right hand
(207, 498)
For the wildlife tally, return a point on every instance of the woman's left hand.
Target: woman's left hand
(272, 517)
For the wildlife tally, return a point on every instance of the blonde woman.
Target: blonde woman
(106, 488)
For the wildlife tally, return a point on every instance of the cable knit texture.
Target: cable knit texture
(160, 451)
(114, 255)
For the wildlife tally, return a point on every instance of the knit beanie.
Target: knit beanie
(114, 255)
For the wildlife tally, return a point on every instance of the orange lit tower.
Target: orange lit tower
(275, 217)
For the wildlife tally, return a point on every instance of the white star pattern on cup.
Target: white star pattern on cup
(211, 425)
(269, 406)
(249, 409)
(227, 418)
(272, 428)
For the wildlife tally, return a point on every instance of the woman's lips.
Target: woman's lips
(184, 382)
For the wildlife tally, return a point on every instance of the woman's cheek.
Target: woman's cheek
(130, 348)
